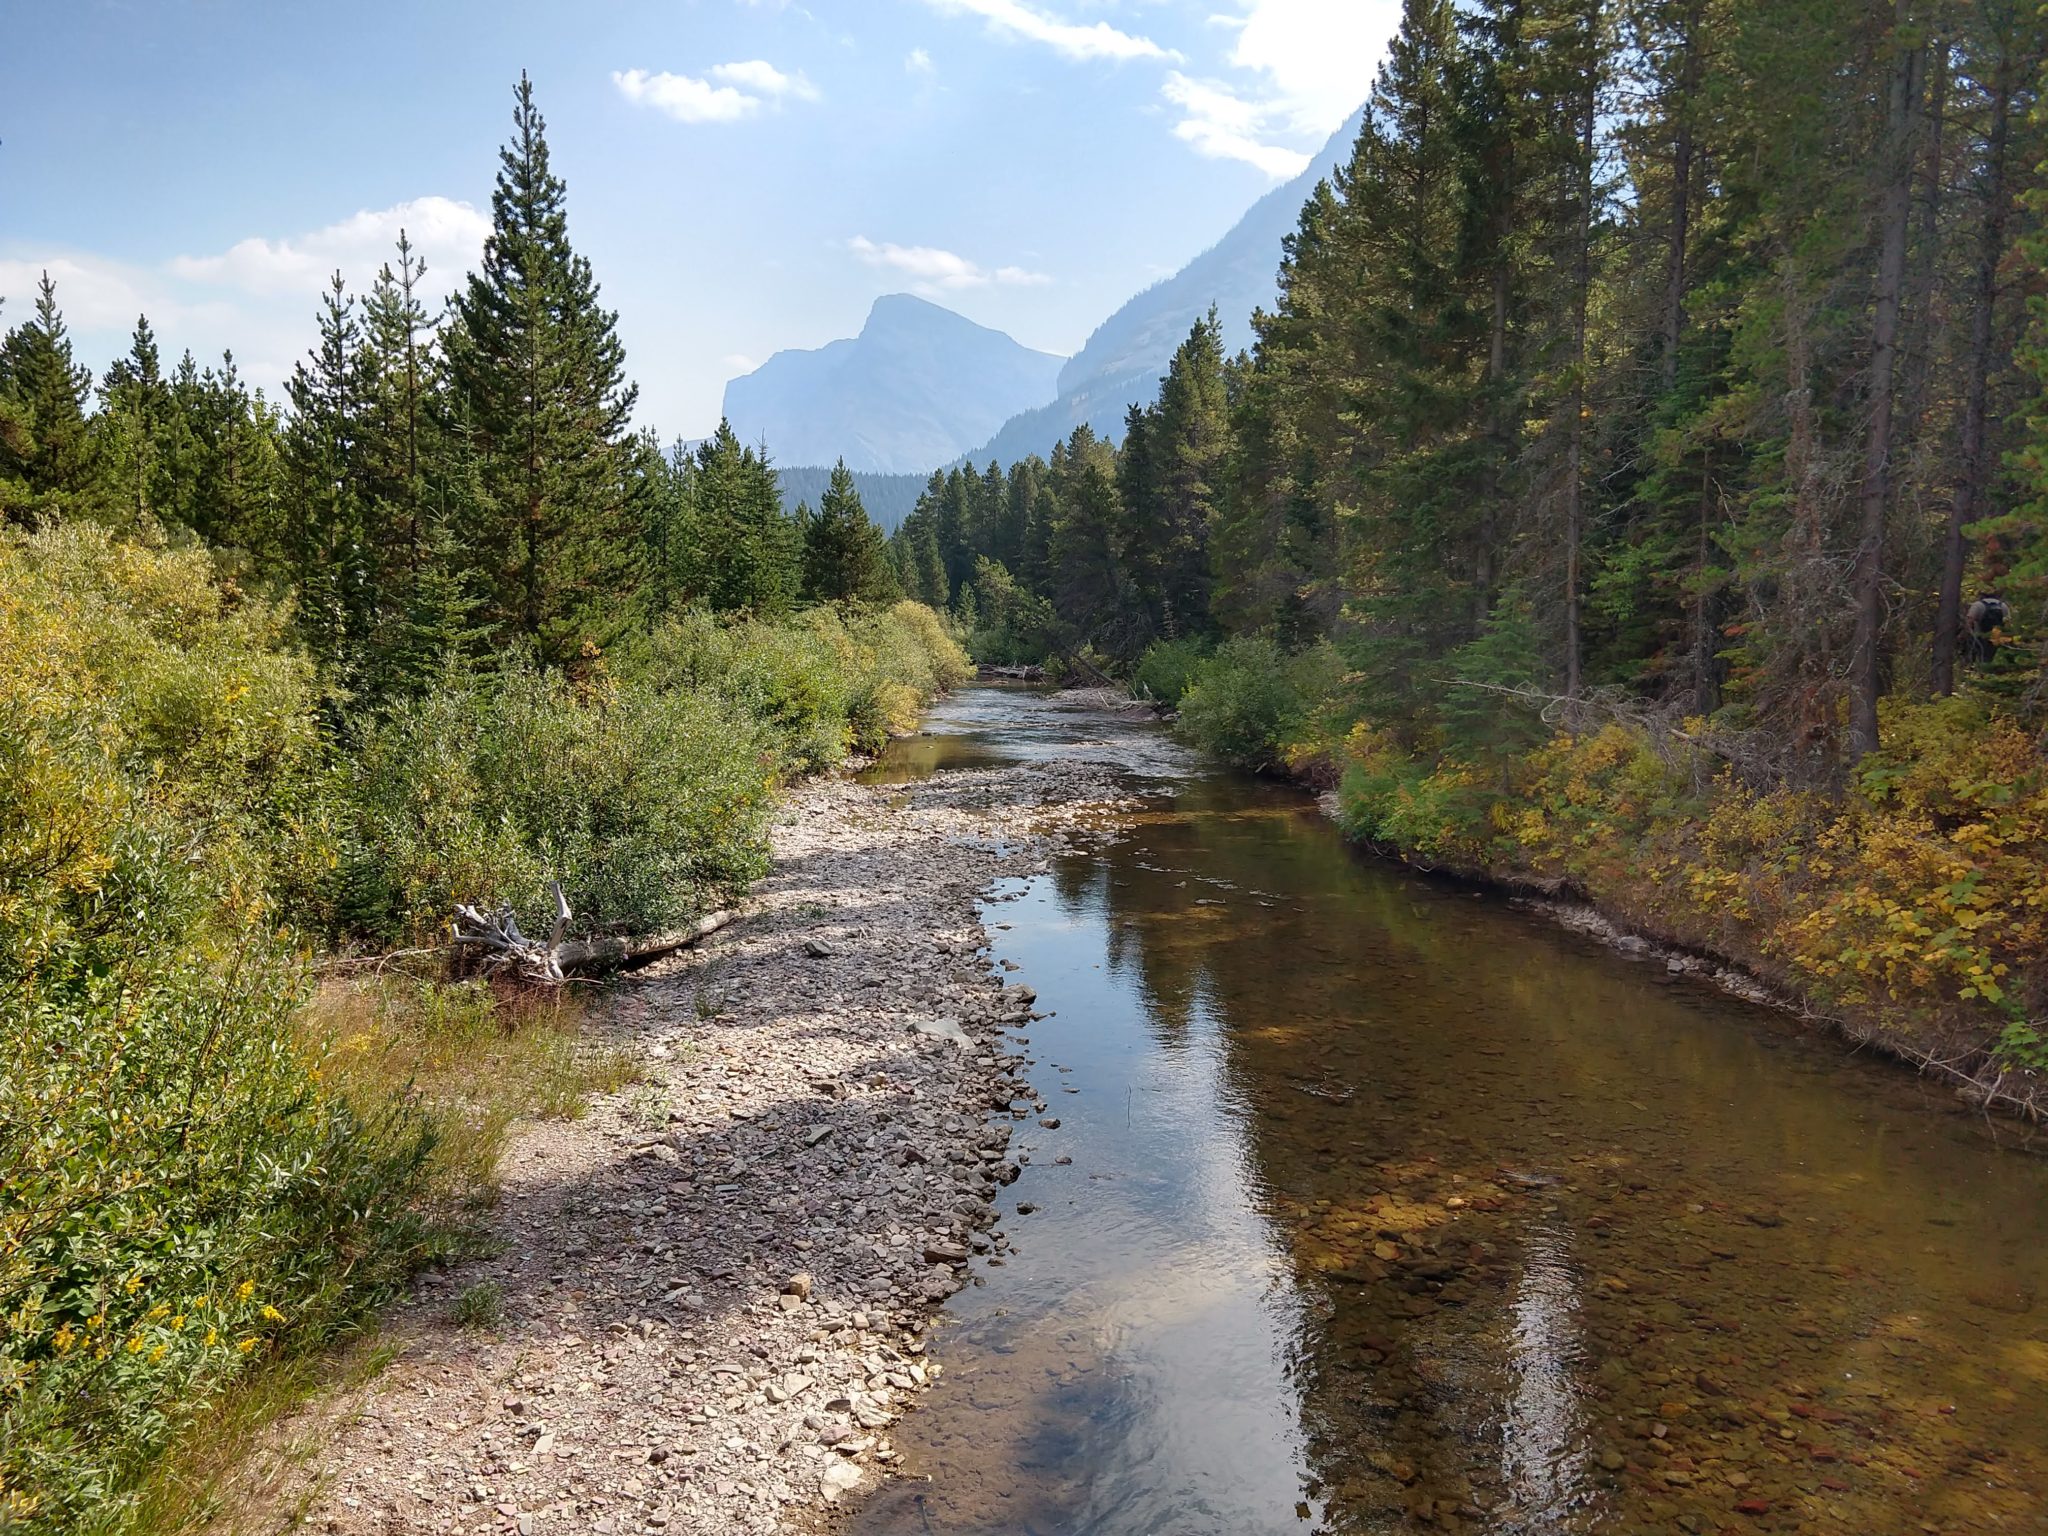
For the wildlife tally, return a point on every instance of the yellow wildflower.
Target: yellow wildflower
(245, 1290)
(64, 1339)
(246, 1345)
(270, 1314)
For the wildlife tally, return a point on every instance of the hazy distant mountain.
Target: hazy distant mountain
(1124, 360)
(917, 388)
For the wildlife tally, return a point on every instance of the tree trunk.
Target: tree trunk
(1866, 658)
(1681, 198)
(1984, 299)
(1706, 679)
(1922, 323)
(1582, 282)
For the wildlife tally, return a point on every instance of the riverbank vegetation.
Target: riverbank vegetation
(281, 684)
(1640, 485)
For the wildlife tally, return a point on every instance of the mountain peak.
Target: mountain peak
(918, 387)
(1122, 363)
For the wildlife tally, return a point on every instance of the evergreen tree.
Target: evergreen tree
(47, 449)
(135, 409)
(539, 373)
(734, 548)
(328, 549)
(845, 557)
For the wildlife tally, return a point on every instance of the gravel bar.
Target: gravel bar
(717, 1283)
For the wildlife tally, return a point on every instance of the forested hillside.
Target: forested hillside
(281, 684)
(1641, 483)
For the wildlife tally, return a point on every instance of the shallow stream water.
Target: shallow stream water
(1377, 1206)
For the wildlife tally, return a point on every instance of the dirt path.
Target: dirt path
(715, 1285)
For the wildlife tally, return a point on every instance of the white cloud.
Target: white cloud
(738, 363)
(448, 235)
(1319, 55)
(684, 97)
(918, 62)
(256, 298)
(744, 88)
(1099, 40)
(94, 294)
(1316, 60)
(933, 271)
(1225, 126)
(765, 80)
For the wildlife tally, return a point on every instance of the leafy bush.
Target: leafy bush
(1925, 889)
(1167, 669)
(1252, 702)
(181, 1195)
(648, 805)
(200, 1170)
(823, 683)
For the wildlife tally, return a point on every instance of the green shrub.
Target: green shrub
(1168, 668)
(1252, 702)
(823, 683)
(181, 1194)
(649, 806)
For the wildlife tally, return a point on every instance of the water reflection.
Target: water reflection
(1542, 1439)
(1375, 1207)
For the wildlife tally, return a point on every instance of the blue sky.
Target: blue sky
(745, 175)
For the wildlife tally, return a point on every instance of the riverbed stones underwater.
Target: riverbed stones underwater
(716, 1284)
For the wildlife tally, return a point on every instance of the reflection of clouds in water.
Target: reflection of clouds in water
(1542, 1451)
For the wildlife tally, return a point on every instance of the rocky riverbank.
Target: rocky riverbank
(711, 1293)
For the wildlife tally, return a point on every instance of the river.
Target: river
(1362, 1203)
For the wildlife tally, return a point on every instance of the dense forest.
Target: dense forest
(281, 683)
(1647, 454)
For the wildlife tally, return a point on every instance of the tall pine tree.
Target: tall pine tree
(537, 373)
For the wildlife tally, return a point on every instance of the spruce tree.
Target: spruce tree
(135, 407)
(329, 548)
(742, 552)
(845, 558)
(48, 452)
(538, 372)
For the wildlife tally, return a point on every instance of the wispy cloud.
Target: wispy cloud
(1319, 59)
(94, 293)
(257, 296)
(448, 235)
(1223, 125)
(1070, 39)
(934, 271)
(744, 89)
(1314, 64)
(764, 79)
(918, 62)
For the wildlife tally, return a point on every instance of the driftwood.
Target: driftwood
(508, 951)
(581, 957)
(550, 962)
(1014, 674)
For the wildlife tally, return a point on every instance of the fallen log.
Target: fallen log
(550, 962)
(584, 957)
